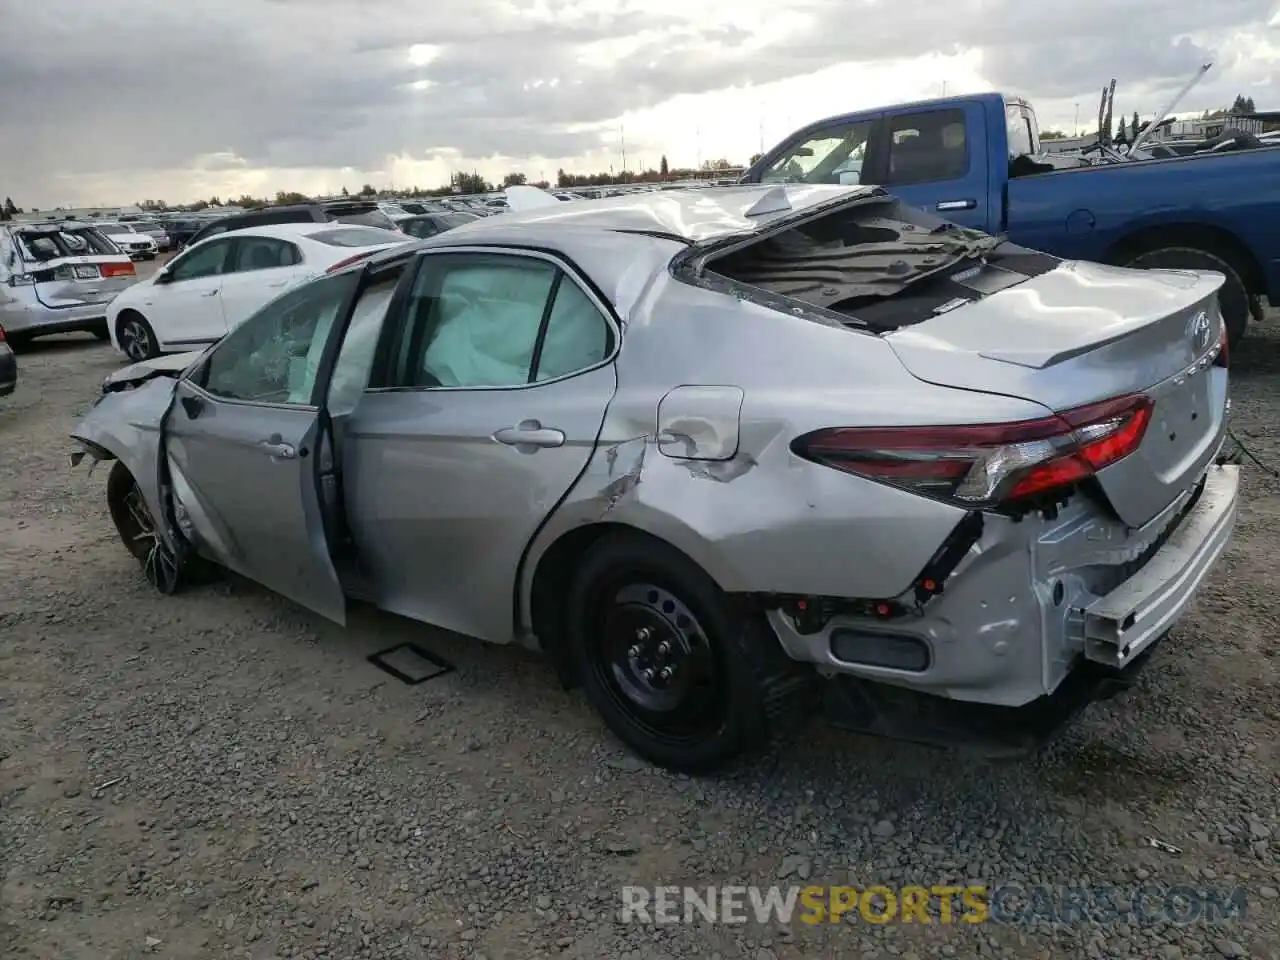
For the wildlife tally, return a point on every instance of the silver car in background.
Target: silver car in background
(57, 277)
(726, 455)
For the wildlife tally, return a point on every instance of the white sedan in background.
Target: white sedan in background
(139, 246)
(216, 284)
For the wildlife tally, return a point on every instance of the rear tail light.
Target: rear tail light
(356, 258)
(1, 334)
(984, 465)
(1222, 359)
(109, 270)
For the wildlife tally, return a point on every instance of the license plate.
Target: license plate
(87, 272)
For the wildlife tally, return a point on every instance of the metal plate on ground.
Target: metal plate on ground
(410, 663)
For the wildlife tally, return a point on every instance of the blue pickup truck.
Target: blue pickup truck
(976, 160)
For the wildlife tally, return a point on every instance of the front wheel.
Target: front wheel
(682, 674)
(136, 338)
(162, 567)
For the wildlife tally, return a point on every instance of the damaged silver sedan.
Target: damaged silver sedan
(730, 457)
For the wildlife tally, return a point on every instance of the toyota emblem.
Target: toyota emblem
(1198, 332)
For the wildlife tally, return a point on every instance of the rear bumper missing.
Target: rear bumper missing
(1034, 602)
(1119, 626)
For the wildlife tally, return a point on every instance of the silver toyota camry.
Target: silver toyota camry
(730, 457)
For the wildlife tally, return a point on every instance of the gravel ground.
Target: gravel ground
(221, 774)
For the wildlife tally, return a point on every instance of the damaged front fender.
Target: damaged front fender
(127, 426)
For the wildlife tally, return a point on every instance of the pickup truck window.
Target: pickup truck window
(924, 147)
(832, 155)
(1020, 124)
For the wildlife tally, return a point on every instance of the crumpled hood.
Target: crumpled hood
(169, 364)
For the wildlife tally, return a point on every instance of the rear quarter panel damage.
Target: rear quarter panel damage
(127, 425)
(761, 519)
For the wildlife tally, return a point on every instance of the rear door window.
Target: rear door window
(264, 253)
(927, 147)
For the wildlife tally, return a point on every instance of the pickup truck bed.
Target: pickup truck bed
(954, 157)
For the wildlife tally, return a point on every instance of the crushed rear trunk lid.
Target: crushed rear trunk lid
(82, 281)
(1085, 332)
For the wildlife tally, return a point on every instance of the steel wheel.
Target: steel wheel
(136, 339)
(656, 662)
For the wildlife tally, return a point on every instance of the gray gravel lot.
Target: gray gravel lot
(221, 774)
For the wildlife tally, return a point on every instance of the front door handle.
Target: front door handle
(945, 205)
(278, 283)
(210, 293)
(530, 434)
(275, 447)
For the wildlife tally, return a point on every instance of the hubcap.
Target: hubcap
(658, 664)
(134, 339)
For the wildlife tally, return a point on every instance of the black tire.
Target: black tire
(135, 336)
(1234, 298)
(732, 688)
(164, 569)
(18, 342)
(100, 331)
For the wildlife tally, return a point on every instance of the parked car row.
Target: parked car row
(214, 284)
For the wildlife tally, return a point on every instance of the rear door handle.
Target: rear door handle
(944, 205)
(210, 293)
(530, 434)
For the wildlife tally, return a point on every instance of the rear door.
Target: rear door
(484, 409)
(246, 440)
(936, 159)
(261, 268)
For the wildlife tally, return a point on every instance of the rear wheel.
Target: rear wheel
(135, 336)
(1234, 298)
(682, 674)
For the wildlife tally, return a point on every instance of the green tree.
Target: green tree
(1134, 125)
(368, 191)
(345, 192)
(663, 169)
(515, 179)
(1052, 135)
(8, 210)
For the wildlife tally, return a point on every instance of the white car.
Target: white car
(214, 285)
(138, 246)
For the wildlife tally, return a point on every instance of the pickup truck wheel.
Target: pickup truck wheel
(1236, 304)
(680, 672)
(136, 338)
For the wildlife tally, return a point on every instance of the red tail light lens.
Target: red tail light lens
(348, 261)
(1, 334)
(983, 465)
(109, 270)
(1221, 360)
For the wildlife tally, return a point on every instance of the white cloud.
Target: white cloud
(232, 96)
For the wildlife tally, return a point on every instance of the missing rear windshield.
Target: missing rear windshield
(878, 266)
(41, 244)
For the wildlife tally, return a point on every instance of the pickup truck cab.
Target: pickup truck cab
(976, 160)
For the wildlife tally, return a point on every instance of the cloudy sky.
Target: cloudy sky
(116, 102)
